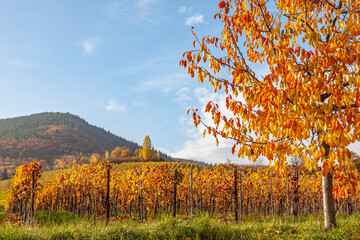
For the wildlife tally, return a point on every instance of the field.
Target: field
(153, 201)
(62, 225)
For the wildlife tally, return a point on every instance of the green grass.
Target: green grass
(62, 225)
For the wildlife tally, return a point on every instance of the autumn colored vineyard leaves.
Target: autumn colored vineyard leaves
(148, 191)
(24, 187)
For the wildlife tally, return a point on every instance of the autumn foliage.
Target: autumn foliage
(147, 148)
(24, 178)
(310, 94)
(307, 101)
(82, 190)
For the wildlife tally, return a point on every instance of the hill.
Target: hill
(49, 136)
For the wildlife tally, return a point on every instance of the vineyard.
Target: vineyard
(153, 189)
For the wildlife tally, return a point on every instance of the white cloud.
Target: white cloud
(355, 147)
(194, 19)
(147, 10)
(89, 45)
(198, 147)
(115, 107)
(183, 95)
(145, 3)
(18, 62)
(204, 149)
(184, 9)
(134, 11)
(138, 104)
(165, 83)
(158, 84)
(149, 63)
(116, 9)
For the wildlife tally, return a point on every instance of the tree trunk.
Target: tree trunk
(328, 199)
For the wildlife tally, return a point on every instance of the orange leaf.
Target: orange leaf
(222, 4)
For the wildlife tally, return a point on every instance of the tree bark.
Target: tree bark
(328, 199)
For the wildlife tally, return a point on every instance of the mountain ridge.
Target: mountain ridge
(50, 135)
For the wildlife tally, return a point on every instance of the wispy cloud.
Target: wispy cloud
(113, 106)
(18, 62)
(89, 45)
(195, 19)
(145, 3)
(148, 63)
(116, 9)
(138, 104)
(164, 84)
(159, 84)
(184, 9)
(183, 95)
(133, 11)
(147, 10)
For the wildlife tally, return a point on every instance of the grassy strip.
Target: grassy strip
(62, 225)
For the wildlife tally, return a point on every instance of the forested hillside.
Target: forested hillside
(49, 136)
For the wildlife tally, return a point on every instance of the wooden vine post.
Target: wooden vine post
(31, 203)
(85, 198)
(236, 195)
(156, 202)
(241, 200)
(191, 196)
(141, 205)
(108, 195)
(94, 210)
(174, 196)
(296, 197)
(69, 195)
(288, 194)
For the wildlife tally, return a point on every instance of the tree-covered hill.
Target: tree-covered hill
(48, 136)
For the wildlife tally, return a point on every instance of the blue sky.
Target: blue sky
(113, 63)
